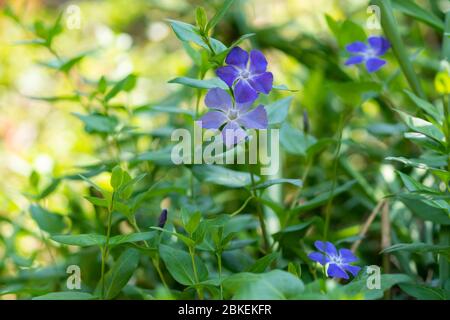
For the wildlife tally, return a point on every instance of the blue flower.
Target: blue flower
(231, 117)
(369, 54)
(249, 76)
(338, 262)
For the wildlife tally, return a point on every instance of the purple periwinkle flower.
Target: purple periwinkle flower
(368, 54)
(249, 76)
(232, 118)
(338, 262)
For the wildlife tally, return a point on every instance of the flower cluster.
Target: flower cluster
(246, 76)
(338, 262)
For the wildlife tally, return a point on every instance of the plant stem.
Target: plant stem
(260, 214)
(194, 267)
(155, 261)
(105, 251)
(219, 264)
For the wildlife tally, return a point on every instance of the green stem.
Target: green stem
(194, 267)
(390, 27)
(155, 261)
(219, 264)
(105, 251)
(260, 214)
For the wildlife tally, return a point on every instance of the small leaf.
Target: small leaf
(422, 126)
(222, 176)
(117, 175)
(98, 123)
(412, 9)
(263, 263)
(219, 15)
(179, 264)
(126, 84)
(121, 272)
(295, 141)
(273, 285)
(429, 108)
(269, 183)
(46, 220)
(81, 240)
(200, 84)
(277, 112)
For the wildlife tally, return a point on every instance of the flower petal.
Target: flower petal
(335, 271)
(243, 92)
(354, 270)
(243, 107)
(319, 257)
(347, 256)
(218, 99)
(379, 44)
(326, 247)
(354, 60)
(228, 74)
(237, 57)
(356, 47)
(262, 82)
(374, 64)
(255, 119)
(258, 63)
(213, 120)
(232, 133)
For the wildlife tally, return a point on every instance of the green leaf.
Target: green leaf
(54, 98)
(427, 210)
(179, 264)
(46, 220)
(410, 8)
(269, 183)
(201, 18)
(263, 263)
(131, 237)
(277, 112)
(200, 84)
(418, 247)
(98, 123)
(273, 285)
(422, 126)
(187, 241)
(219, 15)
(222, 176)
(417, 163)
(81, 240)
(126, 84)
(121, 272)
(189, 33)
(429, 108)
(295, 141)
(117, 175)
(359, 285)
(423, 292)
(66, 295)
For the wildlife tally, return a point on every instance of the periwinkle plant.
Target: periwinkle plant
(226, 232)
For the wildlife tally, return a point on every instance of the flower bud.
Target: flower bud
(162, 218)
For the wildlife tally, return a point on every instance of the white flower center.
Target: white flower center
(336, 259)
(245, 74)
(233, 114)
